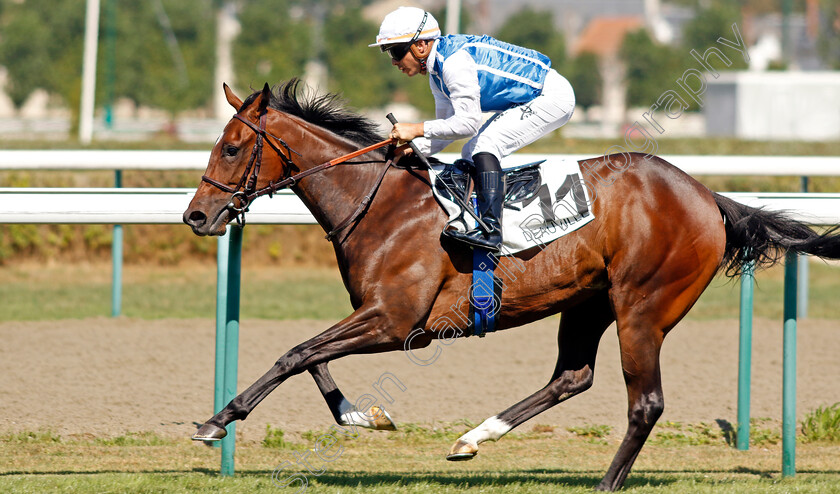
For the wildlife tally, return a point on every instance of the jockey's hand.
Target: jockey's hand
(406, 131)
(401, 152)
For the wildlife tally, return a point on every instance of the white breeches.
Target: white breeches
(521, 125)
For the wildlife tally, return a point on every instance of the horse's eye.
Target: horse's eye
(230, 150)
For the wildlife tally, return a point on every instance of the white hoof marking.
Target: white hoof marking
(490, 430)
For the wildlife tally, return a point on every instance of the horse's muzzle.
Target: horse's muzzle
(202, 226)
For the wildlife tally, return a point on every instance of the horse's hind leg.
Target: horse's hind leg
(645, 313)
(581, 329)
(640, 363)
(344, 412)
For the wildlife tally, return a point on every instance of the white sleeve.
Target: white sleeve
(443, 110)
(460, 76)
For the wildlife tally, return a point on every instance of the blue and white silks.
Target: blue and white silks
(508, 75)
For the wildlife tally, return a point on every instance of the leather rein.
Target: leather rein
(246, 190)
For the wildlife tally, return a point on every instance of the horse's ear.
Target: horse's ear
(265, 98)
(257, 106)
(234, 100)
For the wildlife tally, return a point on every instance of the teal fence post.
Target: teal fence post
(789, 371)
(116, 259)
(231, 341)
(221, 322)
(802, 274)
(745, 357)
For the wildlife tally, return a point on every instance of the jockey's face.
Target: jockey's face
(409, 64)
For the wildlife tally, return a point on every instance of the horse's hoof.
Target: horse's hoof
(462, 451)
(376, 418)
(209, 433)
(381, 420)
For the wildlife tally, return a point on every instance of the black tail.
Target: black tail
(764, 236)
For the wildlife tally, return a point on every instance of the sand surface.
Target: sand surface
(111, 376)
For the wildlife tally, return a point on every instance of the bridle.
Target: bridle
(246, 190)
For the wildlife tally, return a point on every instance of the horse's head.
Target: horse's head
(239, 170)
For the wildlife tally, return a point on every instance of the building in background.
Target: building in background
(793, 105)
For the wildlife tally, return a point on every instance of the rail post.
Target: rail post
(223, 244)
(802, 274)
(745, 356)
(231, 351)
(789, 369)
(116, 259)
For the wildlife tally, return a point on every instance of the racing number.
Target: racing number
(546, 206)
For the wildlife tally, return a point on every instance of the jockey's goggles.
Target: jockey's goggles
(397, 51)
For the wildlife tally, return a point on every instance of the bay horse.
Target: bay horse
(657, 240)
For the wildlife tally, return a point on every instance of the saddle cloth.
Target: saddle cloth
(543, 201)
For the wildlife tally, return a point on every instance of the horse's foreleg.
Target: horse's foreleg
(581, 329)
(366, 330)
(344, 412)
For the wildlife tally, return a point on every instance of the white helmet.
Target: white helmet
(407, 25)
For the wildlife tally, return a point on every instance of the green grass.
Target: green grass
(135, 439)
(676, 433)
(721, 298)
(510, 481)
(80, 291)
(591, 431)
(275, 438)
(822, 424)
(74, 292)
(545, 460)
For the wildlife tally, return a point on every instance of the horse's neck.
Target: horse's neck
(333, 195)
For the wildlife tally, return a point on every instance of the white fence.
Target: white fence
(166, 206)
(130, 206)
(197, 160)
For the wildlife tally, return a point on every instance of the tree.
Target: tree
(585, 77)
(364, 75)
(711, 23)
(828, 42)
(273, 44)
(42, 47)
(535, 29)
(651, 68)
(356, 71)
(164, 53)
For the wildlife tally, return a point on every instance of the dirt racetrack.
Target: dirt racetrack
(112, 376)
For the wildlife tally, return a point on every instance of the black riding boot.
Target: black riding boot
(490, 192)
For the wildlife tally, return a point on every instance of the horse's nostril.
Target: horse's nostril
(197, 218)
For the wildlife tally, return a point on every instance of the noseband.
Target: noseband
(246, 190)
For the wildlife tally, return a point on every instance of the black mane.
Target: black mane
(327, 111)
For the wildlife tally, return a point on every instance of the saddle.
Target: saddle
(544, 200)
(521, 182)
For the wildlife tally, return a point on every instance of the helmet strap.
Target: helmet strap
(413, 47)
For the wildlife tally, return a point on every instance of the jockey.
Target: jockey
(469, 75)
